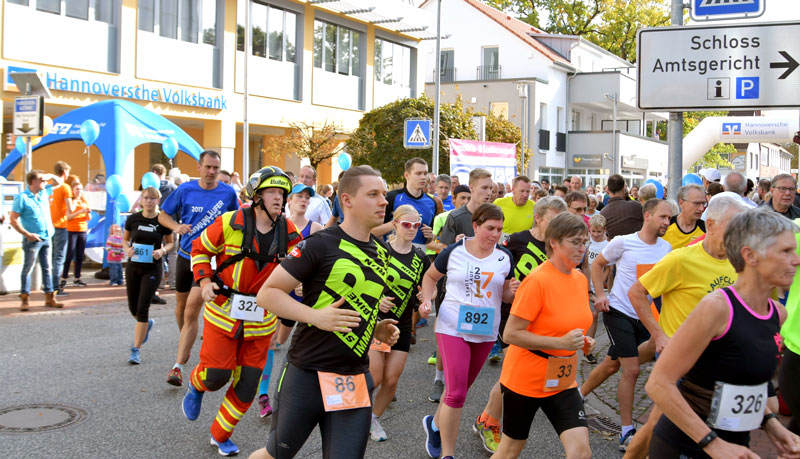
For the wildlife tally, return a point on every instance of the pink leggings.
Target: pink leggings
(462, 362)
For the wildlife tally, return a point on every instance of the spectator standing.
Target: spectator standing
(737, 183)
(546, 186)
(30, 217)
(783, 189)
(77, 227)
(59, 203)
(575, 183)
(318, 209)
(115, 254)
(236, 182)
(443, 187)
(622, 216)
(764, 186)
(517, 208)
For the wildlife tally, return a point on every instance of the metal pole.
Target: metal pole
(437, 81)
(524, 100)
(675, 126)
(614, 140)
(28, 146)
(245, 123)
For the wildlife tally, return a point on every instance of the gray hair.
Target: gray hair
(735, 182)
(780, 177)
(754, 228)
(647, 192)
(547, 203)
(683, 192)
(719, 206)
(444, 178)
(676, 209)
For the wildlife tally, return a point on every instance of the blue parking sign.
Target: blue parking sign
(709, 10)
(417, 133)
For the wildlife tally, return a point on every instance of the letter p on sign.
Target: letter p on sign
(747, 88)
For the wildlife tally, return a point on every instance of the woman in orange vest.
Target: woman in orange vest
(77, 226)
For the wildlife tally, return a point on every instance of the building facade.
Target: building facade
(309, 61)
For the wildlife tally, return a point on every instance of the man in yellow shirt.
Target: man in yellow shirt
(517, 208)
(687, 225)
(682, 278)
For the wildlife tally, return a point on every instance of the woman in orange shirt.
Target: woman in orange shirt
(545, 330)
(77, 227)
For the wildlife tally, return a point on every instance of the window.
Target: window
(78, 9)
(258, 22)
(490, 64)
(276, 31)
(447, 66)
(19, 2)
(337, 49)
(392, 63)
(100, 10)
(575, 122)
(50, 6)
(543, 115)
(192, 21)
(104, 11)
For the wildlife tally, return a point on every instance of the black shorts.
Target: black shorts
(299, 409)
(564, 410)
(625, 333)
(184, 277)
(403, 342)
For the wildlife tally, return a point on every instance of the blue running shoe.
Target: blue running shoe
(624, 441)
(226, 448)
(422, 322)
(134, 358)
(150, 324)
(496, 353)
(433, 440)
(192, 402)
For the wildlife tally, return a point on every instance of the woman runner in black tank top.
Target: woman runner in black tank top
(712, 379)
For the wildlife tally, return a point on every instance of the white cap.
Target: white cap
(711, 174)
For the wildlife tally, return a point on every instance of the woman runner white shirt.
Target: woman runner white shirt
(471, 281)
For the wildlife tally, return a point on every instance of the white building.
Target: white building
(573, 85)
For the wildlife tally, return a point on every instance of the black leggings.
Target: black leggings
(141, 282)
(299, 409)
(789, 380)
(76, 246)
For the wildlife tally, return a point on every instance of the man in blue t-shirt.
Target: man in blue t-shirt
(443, 183)
(197, 203)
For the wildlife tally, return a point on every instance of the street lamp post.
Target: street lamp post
(522, 88)
(615, 169)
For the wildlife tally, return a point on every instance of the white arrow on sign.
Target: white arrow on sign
(725, 66)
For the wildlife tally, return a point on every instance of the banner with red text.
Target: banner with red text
(498, 158)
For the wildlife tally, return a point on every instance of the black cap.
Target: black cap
(460, 189)
(545, 180)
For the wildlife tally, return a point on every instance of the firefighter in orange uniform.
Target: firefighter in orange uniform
(248, 244)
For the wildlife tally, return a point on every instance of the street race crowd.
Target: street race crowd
(520, 272)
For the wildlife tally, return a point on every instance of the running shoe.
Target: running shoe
(422, 322)
(376, 430)
(591, 359)
(626, 440)
(192, 402)
(150, 323)
(496, 353)
(158, 300)
(62, 284)
(226, 448)
(264, 407)
(79, 283)
(436, 392)
(433, 440)
(175, 377)
(413, 338)
(134, 359)
(432, 359)
(490, 435)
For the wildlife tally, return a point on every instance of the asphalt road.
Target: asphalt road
(78, 357)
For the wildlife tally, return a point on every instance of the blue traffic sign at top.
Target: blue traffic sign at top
(417, 133)
(709, 10)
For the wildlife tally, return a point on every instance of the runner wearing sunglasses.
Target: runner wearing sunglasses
(406, 267)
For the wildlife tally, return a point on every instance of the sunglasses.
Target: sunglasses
(409, 225)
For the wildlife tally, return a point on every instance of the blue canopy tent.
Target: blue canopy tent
(124, 125)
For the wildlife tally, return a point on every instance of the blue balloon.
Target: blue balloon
(90, 130)
(94, 218)
(123, 204)
(170, 147)
(114, 185)
(20, 144)
(659, 187)
(345, 161)
(150, 180)
(691, 179)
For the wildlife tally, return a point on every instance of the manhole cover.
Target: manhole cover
(603, 424)
(39, 418)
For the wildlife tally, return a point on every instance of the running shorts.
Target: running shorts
(564, 410)
(625, 333)
(184, 277)
(403, 342)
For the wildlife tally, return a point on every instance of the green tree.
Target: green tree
(719, 154)
(499, 129)
(378, 140)
(611, 24)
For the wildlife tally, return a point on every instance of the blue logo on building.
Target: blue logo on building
(747, 88)
(731, 128)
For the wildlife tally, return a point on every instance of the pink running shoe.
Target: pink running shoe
(263, 403)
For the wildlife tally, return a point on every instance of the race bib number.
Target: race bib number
(379, 346)
(343, 392)
(244, 307)
(737, 408)
(561, 373)
(475, 320)
(142, 253)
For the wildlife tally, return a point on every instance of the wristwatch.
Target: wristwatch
(707, 439)
(766, 419)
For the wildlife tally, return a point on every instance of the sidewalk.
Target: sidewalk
(96, 294)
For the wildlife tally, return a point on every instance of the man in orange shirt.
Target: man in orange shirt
(59, 203)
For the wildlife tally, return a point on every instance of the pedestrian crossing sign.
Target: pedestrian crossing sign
(417, 133)
(710, 10)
